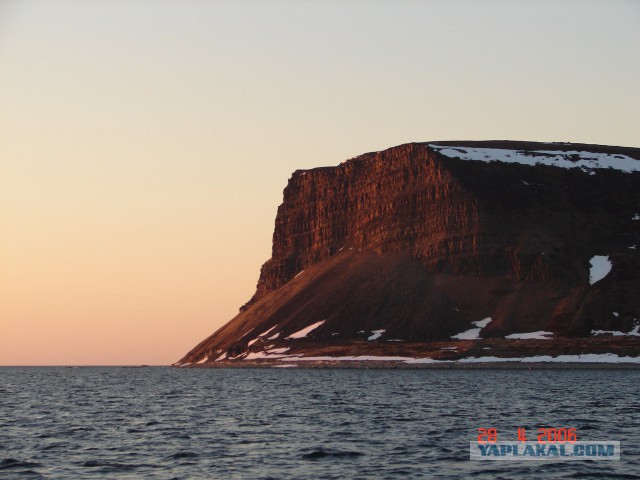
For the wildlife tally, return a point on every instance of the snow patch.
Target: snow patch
(483, 323)
(273, 354)
(279, 350)
(474, 333)
(202, 360)
(376, 334)
(636, 217)
(240, 355)
(257, 356)
(600, 268)
(570, 159)
(615, 333)
(260, 337)
(268, 331)
(634, 332)
(305, 331)
(539, 335)
(424, 360)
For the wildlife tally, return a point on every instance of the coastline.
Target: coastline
(399, 365)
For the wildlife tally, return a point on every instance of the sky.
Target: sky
(145, 144)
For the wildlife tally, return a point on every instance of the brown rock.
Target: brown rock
(421, 245)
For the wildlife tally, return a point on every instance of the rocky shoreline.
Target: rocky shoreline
(596, 352)
(389, 365)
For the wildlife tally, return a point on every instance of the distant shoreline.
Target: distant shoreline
(392, 365)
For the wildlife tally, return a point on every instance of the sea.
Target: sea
(294, 423)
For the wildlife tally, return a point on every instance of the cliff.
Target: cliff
(414, 244)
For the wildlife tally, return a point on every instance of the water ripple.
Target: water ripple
(163, 423)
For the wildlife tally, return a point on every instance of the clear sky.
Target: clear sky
(144, 145)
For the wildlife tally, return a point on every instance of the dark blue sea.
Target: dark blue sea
(169, 423)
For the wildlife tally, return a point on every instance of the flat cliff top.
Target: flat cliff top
(559, 154)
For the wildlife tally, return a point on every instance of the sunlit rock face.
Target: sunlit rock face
(420, 242)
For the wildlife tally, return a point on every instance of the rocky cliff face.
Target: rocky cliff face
(421, 240)
(382, 202)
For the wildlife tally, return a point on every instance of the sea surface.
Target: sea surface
(170, 423)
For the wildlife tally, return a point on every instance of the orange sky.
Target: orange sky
(144, 145)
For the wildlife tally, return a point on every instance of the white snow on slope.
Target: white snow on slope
(600, 267)
(267, 332)
(539, 335)
(583, 160)
(305, 331)
(261, 355)
(634, 332)
(279, 350)
(474, 333)
(268, 353)
(251, 342)
(615, 333)
(376, 334)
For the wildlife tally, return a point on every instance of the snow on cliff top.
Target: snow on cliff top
(570, 159)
